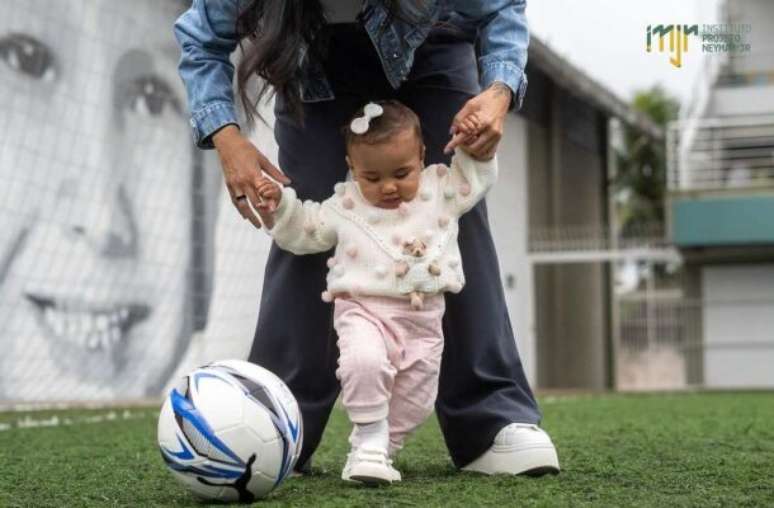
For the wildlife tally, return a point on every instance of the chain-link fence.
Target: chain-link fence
(108, 227)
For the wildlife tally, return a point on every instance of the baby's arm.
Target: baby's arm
(467, 182)
(299, 227)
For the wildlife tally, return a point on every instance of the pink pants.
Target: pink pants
(390, 359)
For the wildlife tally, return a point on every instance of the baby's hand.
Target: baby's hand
(470, 126)
(270, 194)
(465, 133)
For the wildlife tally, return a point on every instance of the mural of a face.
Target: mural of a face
(97, 228)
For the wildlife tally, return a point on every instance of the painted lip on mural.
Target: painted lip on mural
(93, 327)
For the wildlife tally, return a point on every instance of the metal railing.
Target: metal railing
(757, 78)
(662, 341)
(594, 237)
(752, 68)
(721, 154)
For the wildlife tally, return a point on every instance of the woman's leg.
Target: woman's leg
(482, 383)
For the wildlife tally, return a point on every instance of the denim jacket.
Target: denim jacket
(206, 34)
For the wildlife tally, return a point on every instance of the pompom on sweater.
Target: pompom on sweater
(369, 240)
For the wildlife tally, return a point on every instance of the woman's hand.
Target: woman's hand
(243, 167)
(488, 109)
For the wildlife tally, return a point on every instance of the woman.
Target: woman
(103, 275)
(326, 59)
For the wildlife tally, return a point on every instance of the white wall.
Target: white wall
(760, 15)
(507, 203)
(742, 100)
(738, 324)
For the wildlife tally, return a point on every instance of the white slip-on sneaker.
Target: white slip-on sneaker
(519, 448)
(369, 466)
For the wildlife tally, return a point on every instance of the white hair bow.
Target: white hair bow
(360, 124)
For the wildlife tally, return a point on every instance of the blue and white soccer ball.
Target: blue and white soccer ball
(230, 431)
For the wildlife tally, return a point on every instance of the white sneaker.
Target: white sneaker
(369, 466)
(519, 448)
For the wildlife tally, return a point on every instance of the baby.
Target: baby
(394, 227)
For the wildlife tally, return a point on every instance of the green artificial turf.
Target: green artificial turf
(707, 449)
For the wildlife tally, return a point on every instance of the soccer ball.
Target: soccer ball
(230, 431)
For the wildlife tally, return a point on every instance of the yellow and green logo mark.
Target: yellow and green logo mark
(678, 40)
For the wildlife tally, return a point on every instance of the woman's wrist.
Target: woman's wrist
(502, 92)
(502, 88)
(226, 135)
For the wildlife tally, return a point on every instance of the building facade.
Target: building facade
(721, 206)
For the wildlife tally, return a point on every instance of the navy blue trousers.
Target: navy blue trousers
(482, 383)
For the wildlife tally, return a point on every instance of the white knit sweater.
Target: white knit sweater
(369, 240)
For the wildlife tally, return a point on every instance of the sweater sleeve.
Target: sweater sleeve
(302, 227)
(468, 181)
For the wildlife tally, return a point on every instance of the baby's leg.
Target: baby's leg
(366, 376)
(416, 383)
(365, 371)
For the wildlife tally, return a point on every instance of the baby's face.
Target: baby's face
(388, 173)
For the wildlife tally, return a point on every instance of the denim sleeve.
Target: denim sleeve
(503, 37)
(206, 34)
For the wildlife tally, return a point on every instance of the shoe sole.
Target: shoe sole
(536, 461)
(371, 476)
(541, 471)
(370, 481)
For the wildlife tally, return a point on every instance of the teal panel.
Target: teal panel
(723, 221)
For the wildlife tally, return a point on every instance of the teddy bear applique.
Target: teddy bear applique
(412, 272)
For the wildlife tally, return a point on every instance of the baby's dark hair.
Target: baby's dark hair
(395, 118)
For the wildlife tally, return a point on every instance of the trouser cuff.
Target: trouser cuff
(368, 414)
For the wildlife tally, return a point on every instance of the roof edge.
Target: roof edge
(578, 83)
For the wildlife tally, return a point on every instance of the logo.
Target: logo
(718, 38)
(678, 40)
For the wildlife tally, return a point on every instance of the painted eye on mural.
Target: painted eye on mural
(28, 56)
(150, 96)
